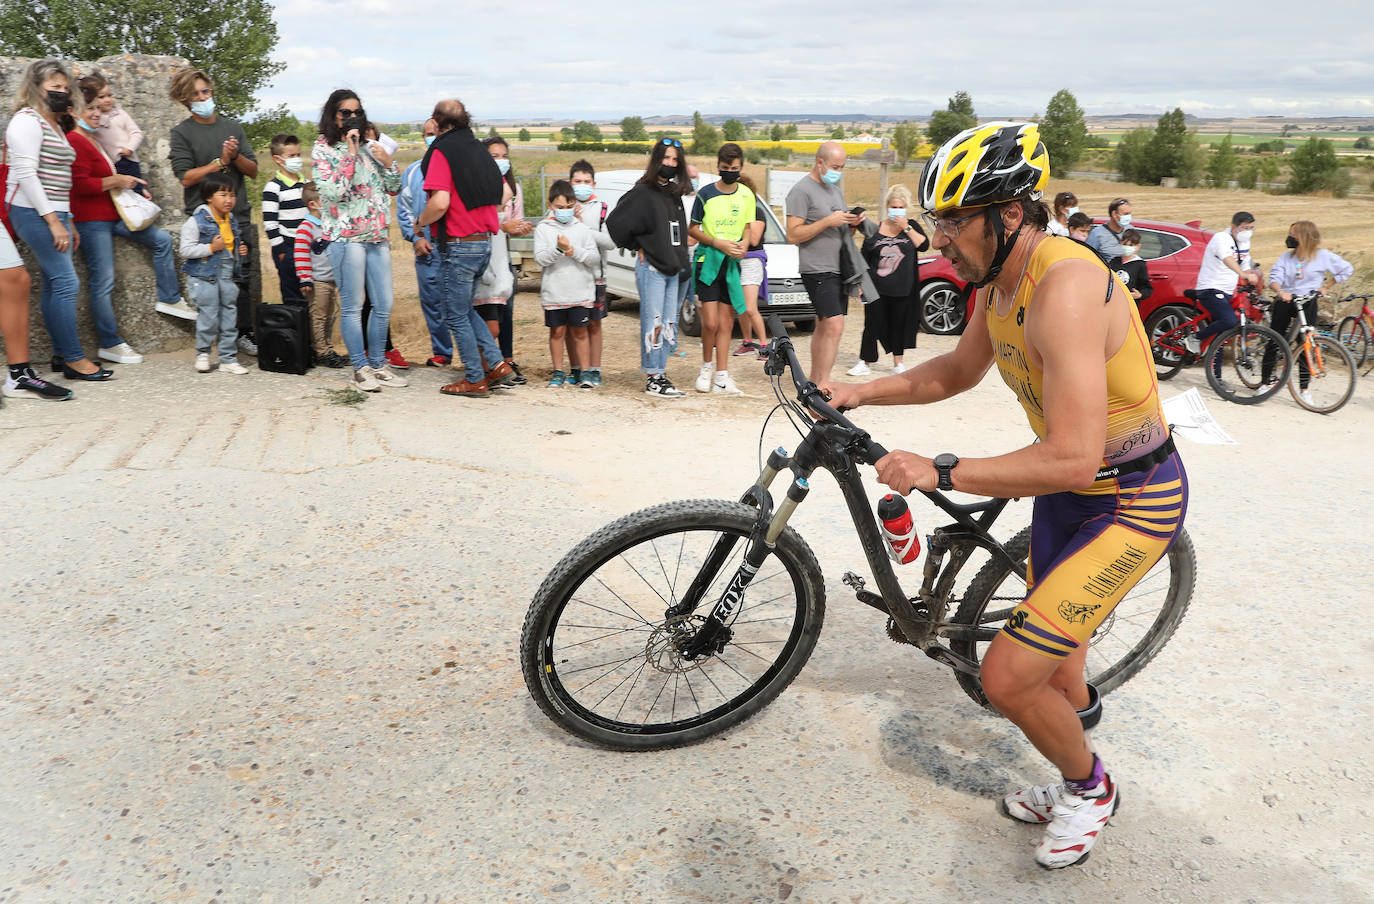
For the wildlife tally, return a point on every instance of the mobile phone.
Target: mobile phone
(856, 210)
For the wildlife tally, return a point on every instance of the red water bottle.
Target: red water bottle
(903, 543)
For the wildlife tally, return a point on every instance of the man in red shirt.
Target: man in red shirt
(464, 188)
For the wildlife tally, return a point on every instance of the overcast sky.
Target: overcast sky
(604, 59)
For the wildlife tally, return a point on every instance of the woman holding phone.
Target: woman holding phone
(356, 180)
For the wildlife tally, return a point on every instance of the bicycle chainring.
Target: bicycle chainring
(895, 634)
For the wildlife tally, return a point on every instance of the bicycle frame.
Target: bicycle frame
(1300, 335)
(838, 446)
(1247, 304)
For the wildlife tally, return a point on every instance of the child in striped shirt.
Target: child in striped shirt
(316, 278)
(282, 212)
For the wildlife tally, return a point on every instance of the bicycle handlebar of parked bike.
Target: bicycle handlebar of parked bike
(811, 396)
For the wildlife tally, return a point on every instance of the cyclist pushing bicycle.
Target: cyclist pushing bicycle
(1110, 489)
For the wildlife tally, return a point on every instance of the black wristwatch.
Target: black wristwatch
(944, 463)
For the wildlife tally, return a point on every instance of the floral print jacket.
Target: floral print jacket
(355, 192)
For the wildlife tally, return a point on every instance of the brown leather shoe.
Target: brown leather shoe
(464, 388)
(500, 375)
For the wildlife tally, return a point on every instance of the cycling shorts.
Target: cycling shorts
(1087, 552)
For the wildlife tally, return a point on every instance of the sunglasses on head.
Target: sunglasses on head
(672, 142)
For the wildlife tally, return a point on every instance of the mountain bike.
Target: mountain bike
(1355, 331)
(1326, 373)
(1232, 359)
(681, 620)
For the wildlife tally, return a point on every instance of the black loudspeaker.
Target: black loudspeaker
(283, 334)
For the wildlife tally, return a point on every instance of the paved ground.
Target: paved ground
(262, 647)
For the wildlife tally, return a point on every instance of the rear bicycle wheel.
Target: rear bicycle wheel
(1166, 349)
(1329, 371)
(1138, 628)
(1354, 335)
(1247, 364)
(601, 659)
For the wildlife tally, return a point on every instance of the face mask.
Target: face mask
(59, 101)
(564, 214)
(429, 139)
(582, 191)
(729, 177)
(668, 172)
(1070, 211)
(896, 213)
(89, 128)
(1291, 241)
(292, 164)
(503, 165)
(1130, 250)
(1125, 220)
(696, 183)
(204, 108)
(830, 176)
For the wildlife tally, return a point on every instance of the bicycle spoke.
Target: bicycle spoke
(611, 611)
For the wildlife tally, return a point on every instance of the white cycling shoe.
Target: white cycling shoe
(1075, 825)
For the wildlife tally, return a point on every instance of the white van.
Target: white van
(787, 296)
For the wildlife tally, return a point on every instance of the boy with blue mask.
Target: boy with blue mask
(592, 212)
(567, 252)
(282, 212)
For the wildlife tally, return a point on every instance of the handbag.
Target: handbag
(135, 210)
(497, 281)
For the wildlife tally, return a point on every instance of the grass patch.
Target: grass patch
(345, 396)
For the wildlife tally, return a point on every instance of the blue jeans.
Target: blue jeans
(356, 264)
(1218, 304)
(216, 311)
(60, 285)
(660, 298)
(432, 304)
(97, 246)
(462, 265)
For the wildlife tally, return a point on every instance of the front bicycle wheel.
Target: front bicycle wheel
(1324, 374)
(1354, 335)
(1138, 628)
(1247, 364)
(601, 658)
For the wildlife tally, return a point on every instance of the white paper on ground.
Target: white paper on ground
(1190, 419)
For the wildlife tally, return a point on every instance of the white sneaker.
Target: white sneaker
(1031, 804)
(178, 309)
(389, 378)
(1307, 399)
(120, 354)
(203, 363)
(1076, 823)
(364, 380)
(725, 385)
(708, 370)
(860, 370)
(232, 367)
(899, 368)
(1191, 344)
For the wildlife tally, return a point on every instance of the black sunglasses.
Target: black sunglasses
(358, 112)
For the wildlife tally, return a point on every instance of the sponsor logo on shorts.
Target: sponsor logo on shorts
(1072, 612)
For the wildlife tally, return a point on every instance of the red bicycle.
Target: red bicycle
(1355, 331)
(1234, 358)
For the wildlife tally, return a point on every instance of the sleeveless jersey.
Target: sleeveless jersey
(1135, 418)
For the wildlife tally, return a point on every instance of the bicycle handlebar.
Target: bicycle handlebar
(811, 396)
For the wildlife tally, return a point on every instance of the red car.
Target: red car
(1172, 251)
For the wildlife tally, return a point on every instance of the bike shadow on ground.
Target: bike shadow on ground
(960, 747)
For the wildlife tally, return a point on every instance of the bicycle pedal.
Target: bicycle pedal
(851, 579)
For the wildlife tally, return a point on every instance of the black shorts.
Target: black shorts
(827, 294)
(599, 306)
(567, 317)
(488, 312)
(715, 291)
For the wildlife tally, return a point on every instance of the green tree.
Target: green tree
(1165, 152)
(905, 139)
(1064, 132)
(232, 40)
(705, 137)
(1312, 166)
(565, 134)
(1132, 155)
(1249, 174)
(1363, 143)
(837, 133)
(790, 131)
(278, 120)
(1222, 167)
(732, 130)
(1268, 170)
(632, 129)
(585, 131)
(524, 135)
(955, 118)
(776, 132)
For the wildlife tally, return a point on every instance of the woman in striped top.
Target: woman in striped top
(39, 192)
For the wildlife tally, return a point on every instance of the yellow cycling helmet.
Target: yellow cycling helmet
(988, 164)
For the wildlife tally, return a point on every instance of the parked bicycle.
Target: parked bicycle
(1233, 360)
(1325, 376)
(678, 621)
(1355, 331)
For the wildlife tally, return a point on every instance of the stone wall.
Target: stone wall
(140, 85)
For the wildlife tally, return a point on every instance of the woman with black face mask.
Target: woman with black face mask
(38, 197)
(651, 221)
